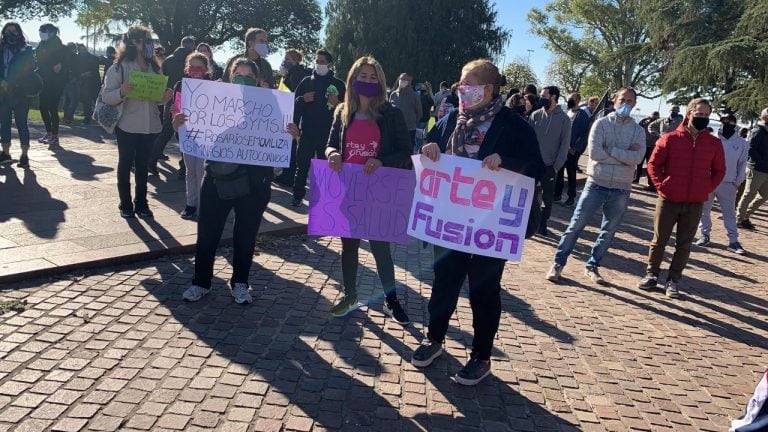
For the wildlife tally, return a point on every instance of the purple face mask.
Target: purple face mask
(367, 89)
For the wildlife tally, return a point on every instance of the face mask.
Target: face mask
(624, 110)
(322, 70)
(728, 130)
(149, 50)
(543, 102)
(11, 38)
(571, 104)
(44, 36)
(262, 49)
(674, 115)
(244, 80)
(470, 95)
(197, 71)
(366, 88)
(404, 83)
(699, 123)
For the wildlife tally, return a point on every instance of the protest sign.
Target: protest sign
(357, 205)
(460, 205)
(147, 86)
(236, 123)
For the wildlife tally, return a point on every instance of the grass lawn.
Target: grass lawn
(34, 116)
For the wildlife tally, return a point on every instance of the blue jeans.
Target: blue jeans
(18, 107)
(614, 203)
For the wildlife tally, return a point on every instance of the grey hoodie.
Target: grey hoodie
(553, 131)
(409, 103)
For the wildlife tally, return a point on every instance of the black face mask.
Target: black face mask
(728, 130)
(543, 102)
(571, 104)
(699, 123)
(11, 38)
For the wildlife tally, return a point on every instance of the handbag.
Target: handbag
(106, 115)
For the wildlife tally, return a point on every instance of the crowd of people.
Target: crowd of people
(687, 164)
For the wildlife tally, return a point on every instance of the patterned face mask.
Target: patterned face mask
(470, 95)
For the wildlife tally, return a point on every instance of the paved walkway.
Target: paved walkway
(116, 348)
(62, 213)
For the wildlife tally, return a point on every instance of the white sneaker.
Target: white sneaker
(241, 294)
(195, 293)
(554, 272)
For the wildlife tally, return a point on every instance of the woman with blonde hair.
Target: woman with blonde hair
(483, 128)
(369, 131)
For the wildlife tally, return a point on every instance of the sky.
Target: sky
(511, 15)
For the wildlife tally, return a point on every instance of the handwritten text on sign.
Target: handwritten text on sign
(462, 206)
(236, 123)
(147, 86)
(357, 205)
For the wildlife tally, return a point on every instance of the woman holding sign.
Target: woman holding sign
(139, 121)
(369, 131)
(483, 129)
(246, 189)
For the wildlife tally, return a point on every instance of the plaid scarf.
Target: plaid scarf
(466, 124)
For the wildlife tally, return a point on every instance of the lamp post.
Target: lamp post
(530, 51)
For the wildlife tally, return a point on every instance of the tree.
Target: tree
(519, 74)
(21, 10)
(567, 75)
(431, 47)
(608, 36)
(293, 23)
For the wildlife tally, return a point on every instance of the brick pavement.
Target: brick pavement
(116, 348)
(62, 213)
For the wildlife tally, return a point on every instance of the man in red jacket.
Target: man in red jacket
(686, 165)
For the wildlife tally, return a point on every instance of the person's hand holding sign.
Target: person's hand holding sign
(293, 130)
(492, 162)
(371, 166)
(178, 120)
(334, 161)
(431, 151)
(167, 96)
(125, 89)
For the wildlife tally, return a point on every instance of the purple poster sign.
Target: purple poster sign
(356, 205)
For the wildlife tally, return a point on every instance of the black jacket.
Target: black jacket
(758, 149)
(510, 136)
(173, 66)
(395, 150)
(20, 71)
(50, 53)
(314, 118)
(294, 76)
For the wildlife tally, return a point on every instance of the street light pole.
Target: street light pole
(529, 56)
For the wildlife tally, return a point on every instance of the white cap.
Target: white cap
(764, 113)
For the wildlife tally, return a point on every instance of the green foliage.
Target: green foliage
(519, 74)
(21, 10)
(430, 42)
(607, 38)
(290, 23)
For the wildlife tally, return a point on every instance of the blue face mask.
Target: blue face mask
(624, 110)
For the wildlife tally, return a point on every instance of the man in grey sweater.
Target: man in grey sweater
(616, 145)
(553, 130)
(409, 103)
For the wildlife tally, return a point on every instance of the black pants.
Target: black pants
(133, 151)
(547, 193)
(484, 273)
(570, 167)
(308, 148)
(50, 97)
(385, 267)
(163, 137)
(213, 215)
(288, 174)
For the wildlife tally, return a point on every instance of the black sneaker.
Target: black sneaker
(23, 161)
(426, 353)
(296, 202)
(473, 372)
(127, 213)
(5, 159)
(152, 170)
(735, 247)
(569, 203)
(703, 240)
(746, 224)
(165, 157)
(393, 309)
(189, 212)
(543, 231)
(649, 282)
(145, 213)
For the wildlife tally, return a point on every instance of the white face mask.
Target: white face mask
(44, 36)
(403, 83)
(262, 49)
(470, 95)
(322, 69)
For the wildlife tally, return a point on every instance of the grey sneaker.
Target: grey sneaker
(649, 282)
(553, 275)
(241, 294)
(346, 306)
(735, 247)
(594, 275)
(672, 291)
(426, 353)
(195, 293)
(703, 241)
(473, 372)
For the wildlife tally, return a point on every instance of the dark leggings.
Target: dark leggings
(133, 151)
(49, 108)
(385, 267)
